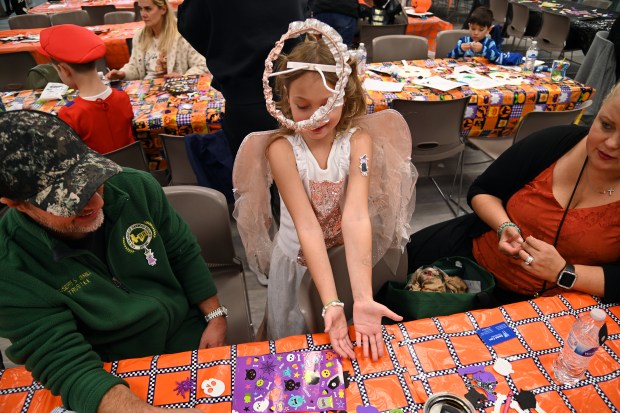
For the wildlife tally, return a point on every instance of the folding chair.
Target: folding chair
(553, 32)
(531, 122)
(397, 47)
(29, 21)
(77, 17)
(181, 171)
(518, 25)
(96, 14)
(206, 212)
(500, 10)
(131, 156)
(368, 32)
(446, 40)
(436, 135)
(119, 17)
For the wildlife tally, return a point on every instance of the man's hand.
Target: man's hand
(215, 333)
(120, 399)
(367, 320)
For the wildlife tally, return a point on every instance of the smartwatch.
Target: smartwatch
(567, 277)
(221, 311)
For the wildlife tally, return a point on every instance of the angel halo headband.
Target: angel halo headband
(341, 68)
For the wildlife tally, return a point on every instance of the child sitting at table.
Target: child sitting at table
(100, 115)
(478, 44)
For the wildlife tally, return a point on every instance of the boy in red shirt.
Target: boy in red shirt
(100, 115)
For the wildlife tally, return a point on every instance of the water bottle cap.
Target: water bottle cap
(597, 314)
(361, 44)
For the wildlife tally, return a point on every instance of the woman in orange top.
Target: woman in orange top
(547, 214)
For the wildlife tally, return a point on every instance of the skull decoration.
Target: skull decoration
(213, 387)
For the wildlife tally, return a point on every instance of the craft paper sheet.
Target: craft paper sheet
(289, 382)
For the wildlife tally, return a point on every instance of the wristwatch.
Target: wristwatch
(221, 311)
(567, 277)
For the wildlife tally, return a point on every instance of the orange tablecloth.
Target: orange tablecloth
(155, 110)
(422, 359)
(117, 52)
(491, 112)
(69, 5)
(427, 27)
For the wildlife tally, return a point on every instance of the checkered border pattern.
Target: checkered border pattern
(394, 346)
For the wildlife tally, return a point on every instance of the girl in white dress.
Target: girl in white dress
(320, 163)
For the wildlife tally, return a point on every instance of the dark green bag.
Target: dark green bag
(413, 305)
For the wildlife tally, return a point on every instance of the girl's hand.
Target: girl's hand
(338, 330)
(547, 261)
(367, 320)
(510, 242)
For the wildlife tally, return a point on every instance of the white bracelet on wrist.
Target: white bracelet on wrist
(333, 303)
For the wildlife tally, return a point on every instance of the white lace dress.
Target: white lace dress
(326, 191)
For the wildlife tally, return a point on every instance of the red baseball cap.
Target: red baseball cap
(71, 44)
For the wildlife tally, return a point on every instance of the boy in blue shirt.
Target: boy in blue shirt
(478, 44)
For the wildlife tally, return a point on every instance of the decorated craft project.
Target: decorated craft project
(289, 382)
(341, 68)
(179, 85)
(407, 71)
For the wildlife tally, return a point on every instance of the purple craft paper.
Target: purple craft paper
(300, 381)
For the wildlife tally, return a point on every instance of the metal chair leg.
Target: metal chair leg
(448, 199)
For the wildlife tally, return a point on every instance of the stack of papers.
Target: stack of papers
(381, 86)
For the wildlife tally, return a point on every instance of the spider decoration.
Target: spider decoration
(184, 386)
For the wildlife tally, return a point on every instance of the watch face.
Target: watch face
(567, 280)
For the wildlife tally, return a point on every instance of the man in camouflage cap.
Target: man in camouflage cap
(85, 281)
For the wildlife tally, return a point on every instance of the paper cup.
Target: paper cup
(558, 70)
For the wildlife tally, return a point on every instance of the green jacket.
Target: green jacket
(65, 312)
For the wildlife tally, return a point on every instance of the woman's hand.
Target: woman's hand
(510, 241)
(115, 75)
(367, 320)
(338, 330)
(546, 262)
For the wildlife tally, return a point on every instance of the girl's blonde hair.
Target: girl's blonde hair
(168, 33)
(313, 50)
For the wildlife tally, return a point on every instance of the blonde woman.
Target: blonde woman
(158, 48)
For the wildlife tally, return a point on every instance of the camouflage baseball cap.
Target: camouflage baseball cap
(44, 162)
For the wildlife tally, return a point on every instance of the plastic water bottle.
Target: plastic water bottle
(361, 60)
(530, 57)
(586, 336)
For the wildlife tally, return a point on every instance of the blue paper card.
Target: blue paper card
(496, 334)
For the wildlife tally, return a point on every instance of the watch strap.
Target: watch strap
(568, 269)
(221, 311)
